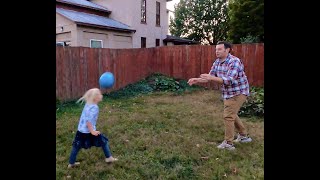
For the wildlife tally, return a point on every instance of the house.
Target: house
(147, 17)
(83, 23)
(111, 23)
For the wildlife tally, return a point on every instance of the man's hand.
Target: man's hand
(192, 81)
(206, 76)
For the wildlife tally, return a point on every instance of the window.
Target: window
(143, 42)
(63, 43)
(157, 42)
(60, 44)
(158, 14)
(143, 11)
(96, 43)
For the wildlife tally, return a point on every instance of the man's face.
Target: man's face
(221, 52)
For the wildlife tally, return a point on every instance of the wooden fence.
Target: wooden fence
(79, 68)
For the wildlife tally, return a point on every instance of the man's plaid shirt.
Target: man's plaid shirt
(231, 70)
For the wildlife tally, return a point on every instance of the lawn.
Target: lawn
(161, 135)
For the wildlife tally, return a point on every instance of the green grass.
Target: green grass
(161, 136)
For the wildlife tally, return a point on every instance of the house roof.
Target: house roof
(84, 3)
(82, 18)
(176, 39)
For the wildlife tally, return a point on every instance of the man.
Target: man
(228, 71)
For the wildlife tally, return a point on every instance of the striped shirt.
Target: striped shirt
(231, 70)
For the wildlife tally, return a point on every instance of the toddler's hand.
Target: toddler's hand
(95, 133)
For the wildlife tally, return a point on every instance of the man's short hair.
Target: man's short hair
(226, 44)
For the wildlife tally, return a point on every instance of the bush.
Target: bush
(159, 82)
(249, 39)
(141, 87)
(254, 105)
(154, 83)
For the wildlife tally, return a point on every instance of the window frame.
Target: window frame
(96, 40)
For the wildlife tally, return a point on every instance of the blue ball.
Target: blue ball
(106, 80)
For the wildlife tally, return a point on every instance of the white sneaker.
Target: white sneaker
(73, 165)
(225, 145)
(111, 159)
(242, 139)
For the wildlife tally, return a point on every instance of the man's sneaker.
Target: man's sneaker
(243, 139)
(225, 145)
(73, 165)
(111, 159)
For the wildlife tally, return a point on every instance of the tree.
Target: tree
(246, 20)
(205, 21)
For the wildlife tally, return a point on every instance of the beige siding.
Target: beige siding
(132, 17)
(66, 30)
(111, 39)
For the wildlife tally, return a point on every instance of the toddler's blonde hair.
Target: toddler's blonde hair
(89, 95)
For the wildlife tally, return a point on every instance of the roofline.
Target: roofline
(181, 41)
(187, 42)
(62, 1)
(177, 38)
(105, 27)
(98, 26)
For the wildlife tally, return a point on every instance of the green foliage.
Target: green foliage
(254, 105)
(159, 82)
(154, 83)
(246, 18)
(250, 39)
(205, 21)
(141, 87)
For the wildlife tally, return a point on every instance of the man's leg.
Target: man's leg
(238, 123)
(243, 135)
(229, 116)
(231, 119)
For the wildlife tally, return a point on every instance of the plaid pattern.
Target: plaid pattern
(231, 70)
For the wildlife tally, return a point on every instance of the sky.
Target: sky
(170, 5)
